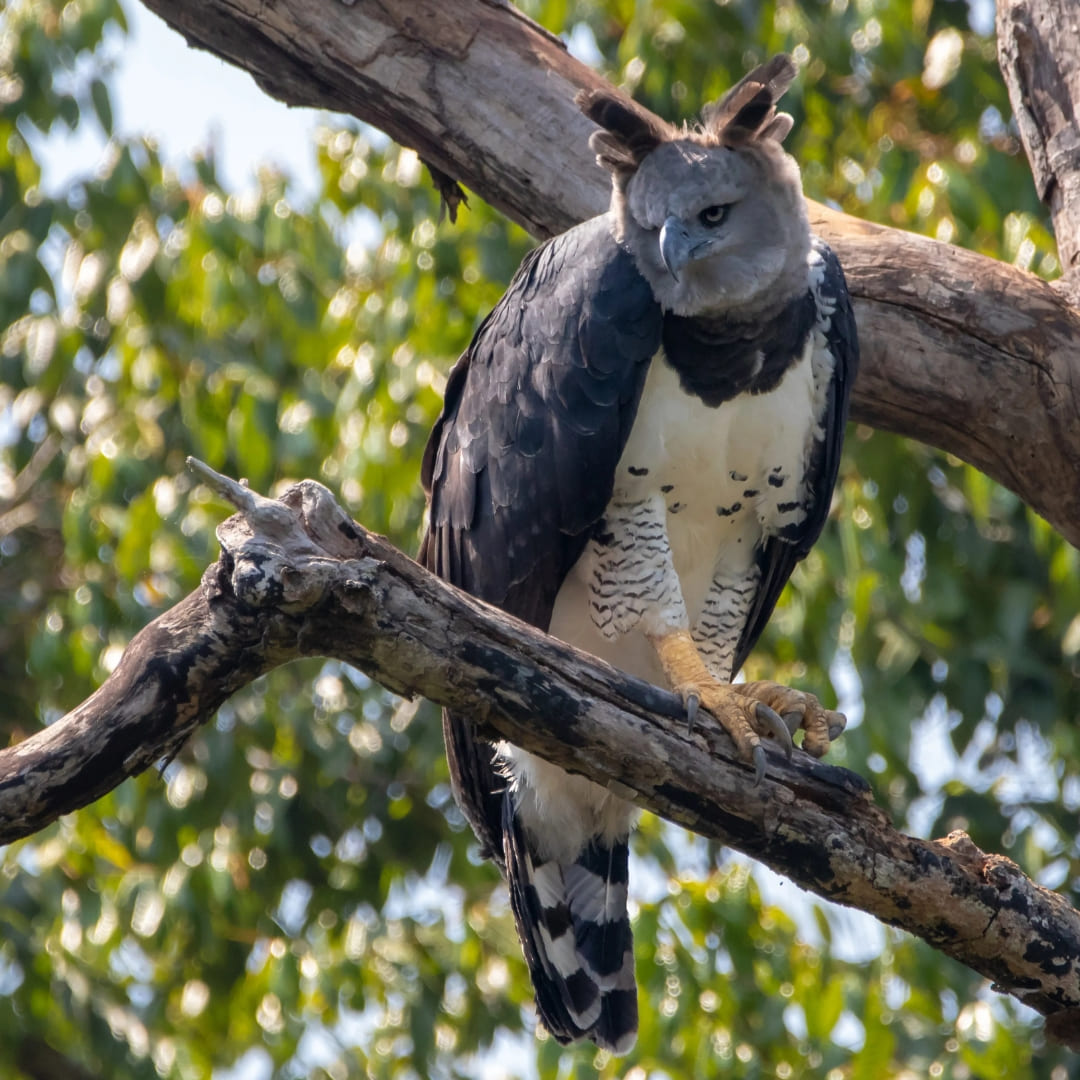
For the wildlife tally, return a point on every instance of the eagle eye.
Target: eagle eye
(712, 216)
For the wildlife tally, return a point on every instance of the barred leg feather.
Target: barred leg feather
(575, 932)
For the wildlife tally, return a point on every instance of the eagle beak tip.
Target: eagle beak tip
(674, 246)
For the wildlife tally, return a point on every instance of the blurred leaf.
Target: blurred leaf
(99, 94)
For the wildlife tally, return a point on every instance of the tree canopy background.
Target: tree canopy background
(297, 895)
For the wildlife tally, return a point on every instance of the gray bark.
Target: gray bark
(1039, 55)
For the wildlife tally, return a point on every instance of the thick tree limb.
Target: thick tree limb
(968, 354)
(297, 576)
(1039, 54)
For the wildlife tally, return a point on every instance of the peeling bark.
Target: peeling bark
(1039, 55)
(968, 354)
(297, 578)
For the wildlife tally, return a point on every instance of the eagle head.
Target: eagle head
(714, 215)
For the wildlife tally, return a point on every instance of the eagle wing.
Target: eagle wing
(780, 554)
(521, 462)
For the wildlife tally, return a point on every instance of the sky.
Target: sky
(187, 99)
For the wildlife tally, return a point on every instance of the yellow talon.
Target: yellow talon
(799, 710)
(746, 710)
(743, 719)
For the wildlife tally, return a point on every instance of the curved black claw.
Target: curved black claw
(758, 758)
(777, 728)
(837, 729)
(692, 703)
(793, 721)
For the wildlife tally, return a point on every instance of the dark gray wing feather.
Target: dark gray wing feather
(780, 555)
(521, 462)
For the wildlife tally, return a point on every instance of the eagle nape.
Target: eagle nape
(747, 711)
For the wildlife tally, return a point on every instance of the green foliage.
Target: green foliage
(298, 883)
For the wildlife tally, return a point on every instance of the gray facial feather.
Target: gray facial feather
(751, 263)
(682, 178)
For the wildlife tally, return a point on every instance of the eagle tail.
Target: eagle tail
(575, 932)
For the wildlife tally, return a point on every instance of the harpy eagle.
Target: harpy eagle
(636, 449)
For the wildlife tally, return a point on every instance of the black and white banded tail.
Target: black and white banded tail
(575, 931)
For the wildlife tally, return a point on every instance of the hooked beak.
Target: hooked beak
(675, 245)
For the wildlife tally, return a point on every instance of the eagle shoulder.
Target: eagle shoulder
(521, 461)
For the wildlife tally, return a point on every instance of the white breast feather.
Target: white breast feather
(710, 458)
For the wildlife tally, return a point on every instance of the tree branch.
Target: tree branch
(297, 576)
(1039, 55)
(968, 354)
